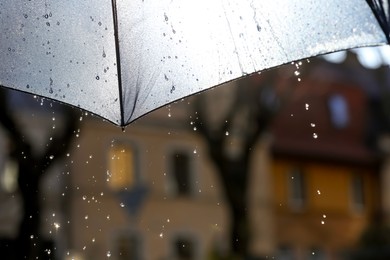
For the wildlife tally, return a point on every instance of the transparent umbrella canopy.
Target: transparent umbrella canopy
(121, 59)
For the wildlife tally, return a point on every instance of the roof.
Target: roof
(306, 127)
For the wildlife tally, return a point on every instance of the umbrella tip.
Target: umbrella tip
(123, 129)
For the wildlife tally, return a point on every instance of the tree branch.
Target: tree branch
(61, 143)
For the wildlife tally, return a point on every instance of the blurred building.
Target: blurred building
(147, 193)
(326, 178)
(152, 192)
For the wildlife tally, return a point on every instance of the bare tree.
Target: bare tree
(231, 125)
(31, 168)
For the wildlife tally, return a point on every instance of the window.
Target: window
(316, 254)
(128, 246)
(338, 107)
(122, 170)
(181, 173)
(285, 253)
(184, 248)
(357, 192)
(297, 192)
(9, 176)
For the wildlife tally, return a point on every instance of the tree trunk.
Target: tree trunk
(28, 240)
(234, 175)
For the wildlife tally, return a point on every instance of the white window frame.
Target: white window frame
(339, 111)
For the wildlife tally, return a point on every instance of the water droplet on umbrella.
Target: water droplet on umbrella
(166, 17)
(97, 77)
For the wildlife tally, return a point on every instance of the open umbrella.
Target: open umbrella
(120, 59)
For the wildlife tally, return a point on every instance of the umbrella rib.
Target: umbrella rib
(118, 60)
(378, 8)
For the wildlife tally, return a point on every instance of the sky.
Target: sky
(369, 57)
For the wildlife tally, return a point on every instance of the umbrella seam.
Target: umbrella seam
(118, 61)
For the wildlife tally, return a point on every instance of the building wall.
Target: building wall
(98, 217)
(328, 219)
